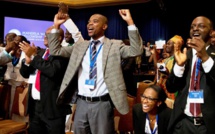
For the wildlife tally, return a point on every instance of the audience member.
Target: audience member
(128, 68)
(8, 52)
(213, 37)
(166, 65)
(152, 115)
(194, 109)
(68, 38)
(45, 75)
(107, 87)
(147, 53)
(2, 43)
(12, 75)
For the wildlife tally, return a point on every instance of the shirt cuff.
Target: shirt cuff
(207, 65)
(132, 27)
(27, 64)
(178, 70)
(8, 54)
(55, 30)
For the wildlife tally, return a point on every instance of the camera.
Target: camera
(161, 67)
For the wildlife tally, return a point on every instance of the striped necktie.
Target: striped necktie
(93, 68)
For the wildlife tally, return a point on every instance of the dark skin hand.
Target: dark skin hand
(199, 45)
(28, 49)
(12, 48)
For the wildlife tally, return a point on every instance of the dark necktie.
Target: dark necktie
(37, 82)
(195, 108)
(93, 68)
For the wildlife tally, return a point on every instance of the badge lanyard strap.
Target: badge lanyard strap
(197, 70)
(154, 130)
(94, 60)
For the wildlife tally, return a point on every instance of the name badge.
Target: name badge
(90, 83)
(196, 96)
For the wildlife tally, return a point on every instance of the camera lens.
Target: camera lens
(161, 67)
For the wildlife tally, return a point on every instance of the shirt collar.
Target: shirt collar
(101, 39)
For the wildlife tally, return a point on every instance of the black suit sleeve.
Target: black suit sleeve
(50, 67)
(25, 70)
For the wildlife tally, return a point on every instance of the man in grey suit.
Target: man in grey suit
(96, 97)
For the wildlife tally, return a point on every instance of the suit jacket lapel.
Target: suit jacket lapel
(106, 48)
(82, 52)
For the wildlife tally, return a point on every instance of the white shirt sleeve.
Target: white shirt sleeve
(207, 65)
(73, 29)
(178, 70)
(132, 27)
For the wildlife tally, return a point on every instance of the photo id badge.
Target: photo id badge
(196, 96)
(90, 83)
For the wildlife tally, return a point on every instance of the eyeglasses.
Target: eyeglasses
(149, 99)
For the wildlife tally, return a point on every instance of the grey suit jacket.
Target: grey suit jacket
(113, 51)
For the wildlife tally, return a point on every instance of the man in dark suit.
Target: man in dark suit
(45, 116)
(98, 95)
(193, 76)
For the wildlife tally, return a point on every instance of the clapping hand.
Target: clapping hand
(200, 46)
(28, 49)
(180, 57)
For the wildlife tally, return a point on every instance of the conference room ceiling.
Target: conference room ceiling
(80, 3)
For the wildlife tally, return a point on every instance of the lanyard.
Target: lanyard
(198, 64)
(15, 61)
(154, 131)
(92, 61)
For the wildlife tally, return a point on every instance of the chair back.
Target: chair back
(141, 86)
(5, 94)
(20, 100)
(125, 122)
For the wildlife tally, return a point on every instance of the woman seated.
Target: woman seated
(152, 115)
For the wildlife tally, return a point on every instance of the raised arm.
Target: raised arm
(136, 47)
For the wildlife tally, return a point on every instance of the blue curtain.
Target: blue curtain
(151, 25)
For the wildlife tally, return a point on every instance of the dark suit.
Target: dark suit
(182, 84)
(139, 119)
(52, 72)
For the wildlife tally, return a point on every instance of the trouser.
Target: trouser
(40, 124)
(95, 117)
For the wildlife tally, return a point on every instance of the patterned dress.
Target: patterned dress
(162, 77)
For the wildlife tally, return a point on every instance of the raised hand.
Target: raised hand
(63, 8)
(125, 14)
(200, 46)
(180, 57)
(61, 16)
